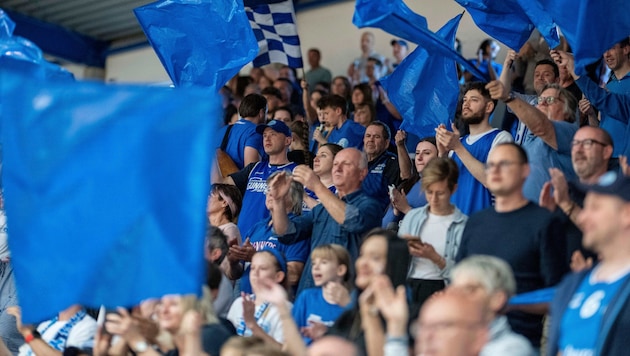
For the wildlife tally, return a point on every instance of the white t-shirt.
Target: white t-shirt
(433, 232)
(269, 321)
(81, 335)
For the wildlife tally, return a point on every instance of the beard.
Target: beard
(474, 119)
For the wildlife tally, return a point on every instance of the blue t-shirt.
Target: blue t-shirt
(542, 157)
(254, 208)
(350, 134)
(583, 317)
(471, 195)
(310, 306)
(243, 134)
(261, 236)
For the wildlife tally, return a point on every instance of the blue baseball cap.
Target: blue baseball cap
(277, 126)
(279, 257)
(400, 42)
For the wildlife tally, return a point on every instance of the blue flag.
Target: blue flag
(199, 42)
(395, 17)
(424, 87)
(273, 23)
(511, 21)
(105, 191)
(591, 27)
(6, 25)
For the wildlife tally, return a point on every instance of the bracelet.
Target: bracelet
(570, 209)
(32, 336)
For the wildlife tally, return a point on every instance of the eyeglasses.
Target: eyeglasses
(501, 165)
(588, 143)
(548, 100)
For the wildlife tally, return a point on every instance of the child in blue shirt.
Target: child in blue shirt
(316, 309)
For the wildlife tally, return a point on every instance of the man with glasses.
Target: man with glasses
(591, 150)
(551, 129)
(528, 237)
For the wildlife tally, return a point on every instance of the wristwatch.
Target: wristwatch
(140, 346)
(510, 97)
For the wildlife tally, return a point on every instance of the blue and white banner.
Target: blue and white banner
(273, 23)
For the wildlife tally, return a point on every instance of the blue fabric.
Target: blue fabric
(542, 157)
(483, 67)
(88, 171)
(200, 42)
(243, 134)
(584, 316)
(471, 196)
(254, 209)
(394, 17)
(262, 237)
(361, 215)
(511, 21)
(310, 306)
(350, 134)
(613, 333)
(538, 296)
(415, 199)
(424, 87)
(273, 24)
(591, 27)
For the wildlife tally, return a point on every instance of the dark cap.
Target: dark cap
(277, 126)
(611, 183)
(400, 42)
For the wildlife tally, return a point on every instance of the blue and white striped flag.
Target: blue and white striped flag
(273, 23)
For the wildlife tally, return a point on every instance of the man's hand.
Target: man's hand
(400, 138)
(564, 59)
(279, 186)
(545, 199)
(497, 90)
(447, 139)
(509, 59)
(305, 175)
(560, 188)
(585, 107)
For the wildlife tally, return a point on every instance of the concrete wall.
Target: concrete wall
(328, 28)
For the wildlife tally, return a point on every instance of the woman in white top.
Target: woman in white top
(433, 232)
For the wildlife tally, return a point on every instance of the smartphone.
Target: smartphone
(411, 238)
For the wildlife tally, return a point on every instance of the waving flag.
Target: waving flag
(273, 22)
(105, 191)
(511, 21)
(395, 17)
(199, 42)
(424, 88)
(590, 26)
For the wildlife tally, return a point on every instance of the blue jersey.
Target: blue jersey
(254, 208)
(471, 195)
(382, 172)
(261, 236)
(350, 134)
(582, 320)
(243, 134)
(310, 306)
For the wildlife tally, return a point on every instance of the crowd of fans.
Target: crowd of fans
(336, 233)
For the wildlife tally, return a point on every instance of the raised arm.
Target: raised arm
(450, 140)
(404, 161)
(529, 115)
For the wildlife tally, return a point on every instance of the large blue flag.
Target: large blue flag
(590, 26)
(105, 191)
(424, 88)
(511, 21)
(395, 17)
(273, 23)
(199, 42)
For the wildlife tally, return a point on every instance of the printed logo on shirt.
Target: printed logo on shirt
(378, 169)
(592, 304)
(257, 185)
(314, 318)
(260, 245)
